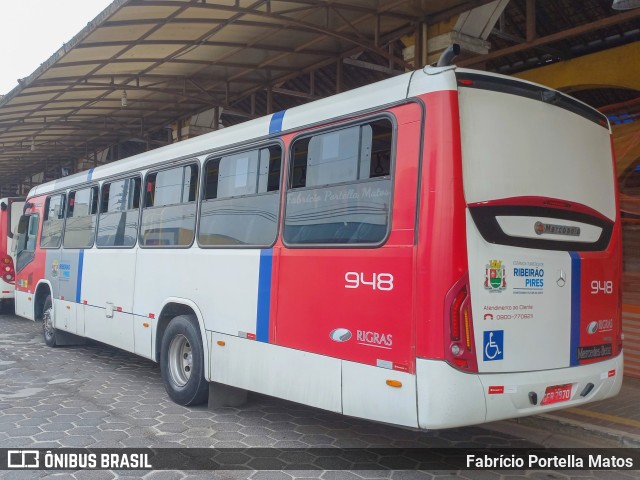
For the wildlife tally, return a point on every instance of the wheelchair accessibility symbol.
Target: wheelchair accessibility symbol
(493, 345)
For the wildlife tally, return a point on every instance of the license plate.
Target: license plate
(556, 394)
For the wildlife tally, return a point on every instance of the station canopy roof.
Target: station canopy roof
(142, 65)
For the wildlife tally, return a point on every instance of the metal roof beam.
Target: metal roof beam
(117, 61)
(311, 4)
(206, 43)
(371, 66)
(571, 32)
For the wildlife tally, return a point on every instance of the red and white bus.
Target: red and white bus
(438, 249)
(10, 211)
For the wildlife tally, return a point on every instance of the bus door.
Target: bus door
(79, 233)
(29, 259)
(50, 246)
(110, 270)
(543, 247)
(345, 272)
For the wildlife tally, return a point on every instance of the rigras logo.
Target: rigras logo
(340, 335)
(600, 326)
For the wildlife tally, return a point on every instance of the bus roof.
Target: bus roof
(359, 100)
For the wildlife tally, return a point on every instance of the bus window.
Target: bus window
(27, 232)
(79, 230)
(118, 219)
(169, 213)
(240, 206)
(340, 186)
(15, 213)
(51, 236)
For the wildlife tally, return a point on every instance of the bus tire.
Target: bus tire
(48, 330)
(182, 361)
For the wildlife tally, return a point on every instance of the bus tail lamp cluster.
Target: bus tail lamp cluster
(8, 273)
(459, 342)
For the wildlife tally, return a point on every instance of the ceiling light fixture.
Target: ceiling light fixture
(123, 100)
(625, 4)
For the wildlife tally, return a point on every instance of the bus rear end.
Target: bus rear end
(534, 324)
(10, 211)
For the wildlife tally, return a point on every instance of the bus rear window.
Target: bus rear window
(51, 236)
(118, 219)
(241, 199)
(169, 215)
(340, 186)
(79, 230)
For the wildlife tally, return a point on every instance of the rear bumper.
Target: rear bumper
(449, 398)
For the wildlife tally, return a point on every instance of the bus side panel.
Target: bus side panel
(107, 287)
(322, 309)
(442, 249)
(223, 283)
(600, 322)
(277, 371)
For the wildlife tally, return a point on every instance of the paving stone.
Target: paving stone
(103, 397)
(271, 476)
(77, 441)
(164, 476)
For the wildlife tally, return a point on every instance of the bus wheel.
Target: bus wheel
(48, 330)
(182, 361)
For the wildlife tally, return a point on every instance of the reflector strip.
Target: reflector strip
(496, 390)
(264, 295)
(575, 308)
(384, 364)
(275, 125)
(79, 277)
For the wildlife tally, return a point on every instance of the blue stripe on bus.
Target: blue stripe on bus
(89, 174)
(264, 295)
(79, 279)
(575, 308)
(275, 126)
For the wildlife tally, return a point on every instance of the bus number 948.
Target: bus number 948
(377, 281)
(605, 287)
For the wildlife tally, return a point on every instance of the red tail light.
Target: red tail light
(459, 343)
(455, 313)
(7, 271)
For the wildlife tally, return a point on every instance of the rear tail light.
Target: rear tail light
(459, 343)
(6, 270)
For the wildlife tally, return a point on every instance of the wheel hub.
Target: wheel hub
(180, 360)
